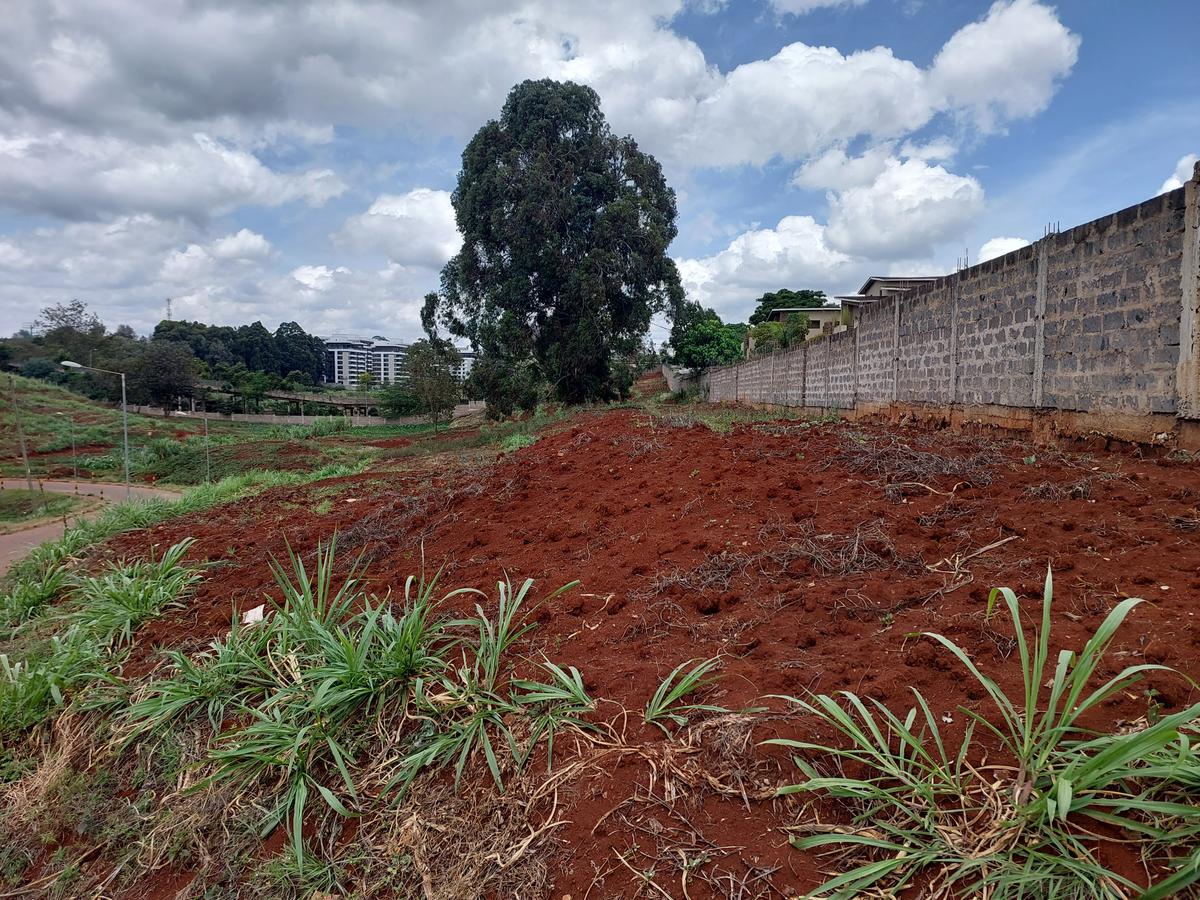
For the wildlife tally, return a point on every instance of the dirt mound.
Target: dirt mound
(804, 554)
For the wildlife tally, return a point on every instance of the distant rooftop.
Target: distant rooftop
(346, 338)
(828, 306)
(876, 287)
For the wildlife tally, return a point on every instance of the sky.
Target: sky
(292, 160)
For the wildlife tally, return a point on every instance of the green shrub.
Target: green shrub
(112, 605)
(514, 442)
(100, 614)
(31, 688)
(1022, 827)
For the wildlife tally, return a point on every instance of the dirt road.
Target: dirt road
(15, 545)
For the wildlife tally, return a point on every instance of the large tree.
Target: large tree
(299, 351)
(565, 232)
(70, 331)
(429, 377)
(785, 299)
(166, 372)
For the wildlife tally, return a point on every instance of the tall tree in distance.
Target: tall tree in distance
(429, 378)
(565, 233)
(167, 371)
(299, 351)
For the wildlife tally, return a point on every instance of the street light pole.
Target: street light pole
(67, 364)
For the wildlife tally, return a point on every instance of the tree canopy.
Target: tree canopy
(429, 377)
(699, 338)
(785, 299)
(167, 371)
(771, 336)
(289, 349)
(564, 257)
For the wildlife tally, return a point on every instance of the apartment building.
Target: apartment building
(347, 357)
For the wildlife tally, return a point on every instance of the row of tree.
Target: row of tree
(163, 369)
(290, 352)
(167, 367)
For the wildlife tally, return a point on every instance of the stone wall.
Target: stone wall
(1100, 323)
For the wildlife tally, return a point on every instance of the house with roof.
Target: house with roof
(837, 317)
(876, 287)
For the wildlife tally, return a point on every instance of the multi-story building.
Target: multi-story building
(347, 357)
(387, 360)
(465, 363)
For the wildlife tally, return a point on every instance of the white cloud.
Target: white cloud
(77, 177)
(999, 246)
(187, 265)
(835, 170)
(261, 72)
(318, 278)
(244, 245)
(1006, 66)
(804, 100)
(196, 262)
(905, 211)
(1183, 172)
(142, 125)
(125, 267)
(794, 252)
(416, 228)
(802, 7)
(13, 257)
(940, 149)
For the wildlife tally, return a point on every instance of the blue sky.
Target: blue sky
(293, 161)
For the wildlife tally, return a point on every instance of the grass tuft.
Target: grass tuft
(925, 811)
(667, 704)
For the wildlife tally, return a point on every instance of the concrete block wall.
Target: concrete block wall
(876, 353)
(925, 370)
(841, 363)
(1099, 321)
(1113, 292)
(816, 373)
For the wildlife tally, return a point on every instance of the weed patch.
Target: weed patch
(1021, 827)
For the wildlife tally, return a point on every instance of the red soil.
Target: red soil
(617, 504)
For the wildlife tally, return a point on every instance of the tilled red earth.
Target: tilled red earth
(808, 557)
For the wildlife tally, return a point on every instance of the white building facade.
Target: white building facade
(347, 357)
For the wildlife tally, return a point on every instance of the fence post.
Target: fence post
(954, 342)
(1187, 373)
(895, 348)
(1039, 321)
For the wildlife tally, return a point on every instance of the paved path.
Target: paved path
(15, 545)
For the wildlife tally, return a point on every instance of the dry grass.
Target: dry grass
(1049, 490)
(469, 844)
(888, 458)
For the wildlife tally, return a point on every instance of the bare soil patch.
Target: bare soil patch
(806, 555)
